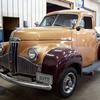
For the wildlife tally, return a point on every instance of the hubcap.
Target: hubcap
(69, 82)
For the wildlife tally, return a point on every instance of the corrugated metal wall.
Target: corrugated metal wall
(27, 10)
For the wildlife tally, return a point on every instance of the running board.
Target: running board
(91, 68)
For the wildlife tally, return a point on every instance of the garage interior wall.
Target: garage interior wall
(94, 6)
(27, 10)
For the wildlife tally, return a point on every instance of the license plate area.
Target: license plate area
(44, 78)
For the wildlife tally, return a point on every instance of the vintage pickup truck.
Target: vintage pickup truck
(54, 54)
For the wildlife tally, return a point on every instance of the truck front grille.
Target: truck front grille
(13, 56)
(20, 65)
(24, 66)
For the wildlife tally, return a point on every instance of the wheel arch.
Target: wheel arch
(59, 59)
(77, 67)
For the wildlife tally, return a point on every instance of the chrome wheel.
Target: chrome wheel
(69, 82)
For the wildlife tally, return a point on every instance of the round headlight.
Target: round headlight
(32, 53)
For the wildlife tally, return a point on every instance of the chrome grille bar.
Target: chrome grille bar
(13, 54)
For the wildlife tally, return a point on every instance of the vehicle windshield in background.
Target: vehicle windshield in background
(66, 20)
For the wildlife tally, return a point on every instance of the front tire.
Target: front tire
(67, 82)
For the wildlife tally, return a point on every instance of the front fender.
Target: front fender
(4, 55)
(58, 59)
(5, 46)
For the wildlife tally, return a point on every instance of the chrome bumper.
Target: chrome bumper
(28, 84)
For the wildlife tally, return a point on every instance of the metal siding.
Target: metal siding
(21, 14)
(44, 7)
(15, 9)
(10, 8)
(29, 13)
(40, 9)
(40, 14)
(0, 14)
(37, 10)
(4, 9)
(0, 9)
(33, 12)
(27, 10)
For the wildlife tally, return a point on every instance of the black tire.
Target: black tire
(67, 79)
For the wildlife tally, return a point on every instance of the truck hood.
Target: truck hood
(42, 33)
(43, 39)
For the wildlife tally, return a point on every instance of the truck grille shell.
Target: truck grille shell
(17, 64)
(24, 66)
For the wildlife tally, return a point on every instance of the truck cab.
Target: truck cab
(52, 55)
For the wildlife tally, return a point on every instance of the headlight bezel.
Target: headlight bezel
(33, 54)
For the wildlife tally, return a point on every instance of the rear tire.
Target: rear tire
(67, 82)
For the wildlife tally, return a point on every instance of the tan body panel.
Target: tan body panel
(47, 38)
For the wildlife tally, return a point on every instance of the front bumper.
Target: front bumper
(28, 84)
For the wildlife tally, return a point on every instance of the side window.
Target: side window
(86, 23)
(82, 23)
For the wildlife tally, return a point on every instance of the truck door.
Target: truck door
(86, 41)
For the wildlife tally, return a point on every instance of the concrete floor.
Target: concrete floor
(88, 89)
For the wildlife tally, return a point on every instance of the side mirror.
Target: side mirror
(74, 23)
(36, 24)
(98, 35)
(78, 28)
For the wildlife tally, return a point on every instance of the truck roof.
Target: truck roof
(71, 12)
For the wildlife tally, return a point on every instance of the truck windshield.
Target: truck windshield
(66, 20)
